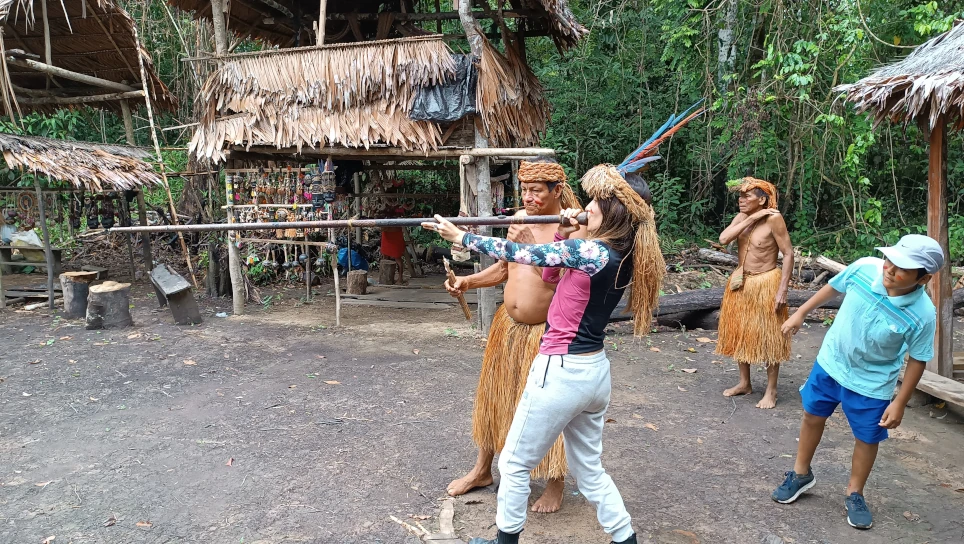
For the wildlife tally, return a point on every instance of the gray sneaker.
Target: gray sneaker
(858, 515)
(793, 486)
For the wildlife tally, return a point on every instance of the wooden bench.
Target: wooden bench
(7, 263)
(175, 291)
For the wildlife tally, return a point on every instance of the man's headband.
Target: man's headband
(541, 172)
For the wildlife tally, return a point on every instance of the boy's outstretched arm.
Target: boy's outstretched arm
(895, 412)
(795, 321)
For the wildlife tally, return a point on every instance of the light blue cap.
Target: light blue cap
(915, 251)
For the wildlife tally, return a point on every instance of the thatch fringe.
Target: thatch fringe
(347, 95)
(513, 108)
(927, 84)
(89, 166)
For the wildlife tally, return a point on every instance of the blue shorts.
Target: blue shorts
(821, 394)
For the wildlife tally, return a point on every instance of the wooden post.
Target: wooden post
(940, 286)
(141, 204)
(3, 295)
(322, 18)
(220, 29)
(487, 294)
(48, 55)
(234, 254)
(357, 282)
(515, 184)
(48, 252)
(356, 178)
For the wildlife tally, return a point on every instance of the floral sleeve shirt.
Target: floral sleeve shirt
(585, 296)
(588, 256)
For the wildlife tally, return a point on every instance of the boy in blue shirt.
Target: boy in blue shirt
(884, 316)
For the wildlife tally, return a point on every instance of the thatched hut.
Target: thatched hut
(927, 88)
(87, 167)
(63, 54)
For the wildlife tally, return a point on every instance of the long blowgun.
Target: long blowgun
(494, 221)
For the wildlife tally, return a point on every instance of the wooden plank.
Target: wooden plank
(940, 286)
(943, 388)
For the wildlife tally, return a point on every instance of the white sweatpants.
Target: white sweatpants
(565, 394)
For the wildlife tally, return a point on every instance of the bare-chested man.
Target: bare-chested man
(754, 310)
(516, 333)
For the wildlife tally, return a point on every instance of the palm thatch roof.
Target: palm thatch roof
(927, 84)
(91, 37)
(288, 23)
(356, 95)
(93, 167)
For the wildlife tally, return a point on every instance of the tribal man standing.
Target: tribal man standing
(516, 333)
(755, 299)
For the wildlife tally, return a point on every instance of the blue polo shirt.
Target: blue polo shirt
(865, 347)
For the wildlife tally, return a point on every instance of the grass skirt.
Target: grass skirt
(508, 355)
(749, 330)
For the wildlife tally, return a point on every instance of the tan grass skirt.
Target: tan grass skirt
(508, 355)
(749, 330)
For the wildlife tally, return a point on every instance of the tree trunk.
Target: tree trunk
(109, 306)
(357, 282)
(76, 288)
(727, 45)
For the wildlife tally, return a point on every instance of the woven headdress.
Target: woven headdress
(748, 184)
(549, 172)
(609, 181)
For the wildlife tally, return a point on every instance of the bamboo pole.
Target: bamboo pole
(48, 54)
(69, 100)
(146, 250)
(160, 159)
(322, 9)
(490, 221)
(48, 252)
(67, 74)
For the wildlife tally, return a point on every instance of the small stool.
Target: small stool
(175, 291)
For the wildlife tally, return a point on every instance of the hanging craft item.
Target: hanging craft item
(328, 182)
(74, 212)
(91, 213)
(107, 212)
(281, 215)
(317, 198)
(27, 203)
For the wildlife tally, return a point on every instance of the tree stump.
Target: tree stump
(76, 287)
(108, 306)
(386, 272)
(357, 282)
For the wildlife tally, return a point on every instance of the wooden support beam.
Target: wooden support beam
(48, 55)
(322, 19)
(67, 74)
(146, 250)
(441, 16)
(940, 287)
(48, 252)
(394, 153)
(220, 28)
(68, 100)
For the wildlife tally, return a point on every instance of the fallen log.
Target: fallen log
(829, 264)
(718, 257)
(710, 299)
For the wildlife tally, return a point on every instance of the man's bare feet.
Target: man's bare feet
(469, 482)
(768, 401)
(551, 499)
(738, 389)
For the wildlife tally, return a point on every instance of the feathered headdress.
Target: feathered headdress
(608, 181)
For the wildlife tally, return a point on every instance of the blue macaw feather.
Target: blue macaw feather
(670, 123)
(636, 165)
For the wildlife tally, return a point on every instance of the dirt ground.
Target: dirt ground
(276, 427)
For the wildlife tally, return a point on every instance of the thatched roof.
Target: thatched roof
(91, 37)
(93, 167)
(923, 86)
(275, 21)
(355, 95)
